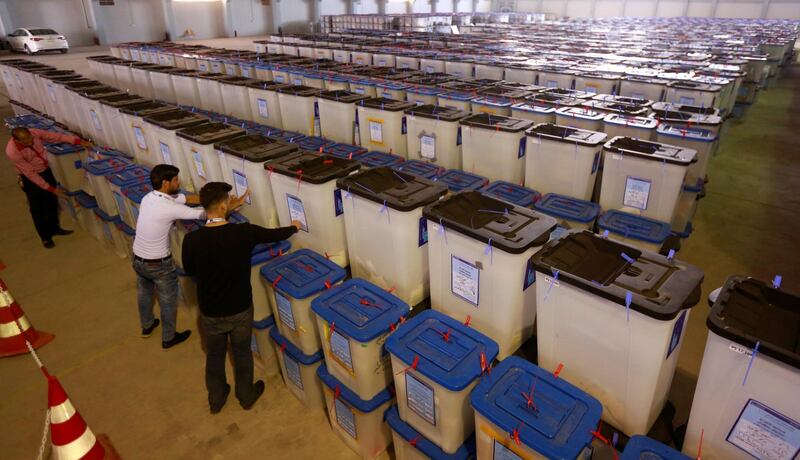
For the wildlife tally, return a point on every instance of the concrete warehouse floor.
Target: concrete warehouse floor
(152, 403)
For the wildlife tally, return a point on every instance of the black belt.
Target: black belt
(163, 259)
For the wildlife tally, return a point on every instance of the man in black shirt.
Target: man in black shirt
(218, 256)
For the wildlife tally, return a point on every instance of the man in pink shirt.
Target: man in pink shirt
(26, 150)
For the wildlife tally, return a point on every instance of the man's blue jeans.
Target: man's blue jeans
(162, 278)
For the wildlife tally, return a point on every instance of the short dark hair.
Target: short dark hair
(213, 193)
(161, 173)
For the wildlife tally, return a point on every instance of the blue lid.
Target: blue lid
(513, 193)
(124, 228)
(686, 231)
(293, 351)
(561, 421)
(268, 251)
(314, 143)
(374, 159)
(420, 168)
(392, 85)
(85, 200)
(465, 452)
(633, 226)
(457, 96)
(302, 273)
(453, 363)
(27, 120)
(134, 174)
(360, 310)
(494, 101)
(697, 187)
(643, 448)
(457, 180)
(101, 214)
(107, 166)
(109, 152)
(136, 192)
(349, 396)
(337, 78)
(424, 90)
(237, 218)
(567, 207)
(269, 321)
(286, 136)
(685, 132)
(344, 151)
(63, 148)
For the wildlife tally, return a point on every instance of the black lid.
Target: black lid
(256, 148)
(185, 72)
(554, 100)
(497, 122)
(122, 100)
(66, 78)
(209, 133)
(161, 68)
(567, 134)
(176, 119)
(343, 96)
(511, 228)
(100, 93)
(300, 90)
(384, 103)
(78, 85)
(504, 91)
(213, 76)
(147, 108)
(56, 73)
(749, 311)
(398, 190)
(143, 65)
(238, 81)
(266, 85)
(311, 167)
(651, 150)
(659, 287)
(437, 112)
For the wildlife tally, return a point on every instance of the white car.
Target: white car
(33, 40)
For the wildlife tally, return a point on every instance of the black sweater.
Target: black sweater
(219, 259)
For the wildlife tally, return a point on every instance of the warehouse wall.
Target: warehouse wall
(247, 17)
(788, 9)
(72, 18)
(205, 19)
(130, 20)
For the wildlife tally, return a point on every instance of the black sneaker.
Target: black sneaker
(179, 337)
(216, 408)
(63, 232)
(149, 330)
(258, 390)
(48, 244)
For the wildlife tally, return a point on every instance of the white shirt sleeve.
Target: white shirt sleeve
(183, 212)
(180, 198)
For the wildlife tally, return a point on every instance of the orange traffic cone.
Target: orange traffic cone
(71, 437)
(15, 328)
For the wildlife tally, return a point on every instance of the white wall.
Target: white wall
(422, 6)
(332, 7)
(247, 17)
(364, 6)
(64, 16)
(130, 20)
(293, 15)
(205, 19)
(397, 7)
(483, 6)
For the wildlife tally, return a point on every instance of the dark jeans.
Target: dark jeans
(218, 329)
(162, 278)
(43, 205)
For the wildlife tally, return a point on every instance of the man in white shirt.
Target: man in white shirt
(152, 260)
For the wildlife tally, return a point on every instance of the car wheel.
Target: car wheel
(64, 51)
(28, 50)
